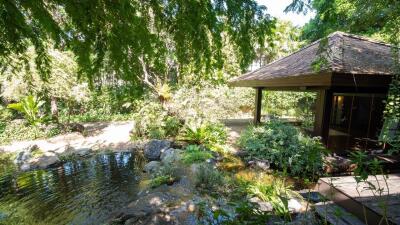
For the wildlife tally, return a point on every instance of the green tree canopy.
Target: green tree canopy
(368, 17)
(132, 38)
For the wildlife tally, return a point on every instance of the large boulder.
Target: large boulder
(154, 148)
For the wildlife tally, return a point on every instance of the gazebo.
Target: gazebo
(351, 85)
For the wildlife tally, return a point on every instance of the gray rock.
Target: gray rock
(45, 161)
(262, 205)
(151, 203)
(170, 156)
(25, 167)
(153, 149)
(185, 213)
(166, 153)
(25, 154)
(22, 157)
(83, 151)
(152, 167)
(294, 205)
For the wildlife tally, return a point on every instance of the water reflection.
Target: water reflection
(77, 192)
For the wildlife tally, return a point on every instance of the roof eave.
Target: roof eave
(306, 80)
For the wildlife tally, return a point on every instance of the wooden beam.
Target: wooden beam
(257, 111)
(312, 80)
(323, 108)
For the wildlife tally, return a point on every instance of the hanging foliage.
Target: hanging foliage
(128, 37)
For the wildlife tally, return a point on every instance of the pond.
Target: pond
(80, 191)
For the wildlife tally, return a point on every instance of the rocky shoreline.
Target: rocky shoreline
(178, 201)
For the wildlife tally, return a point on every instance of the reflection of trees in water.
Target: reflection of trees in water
(69, 192)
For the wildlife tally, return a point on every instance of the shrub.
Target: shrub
(194, 154)
(207, 134)
(277, 193)
(160, 180)
(167, 174)
(285, 147)
(153, 121)
(208, 178)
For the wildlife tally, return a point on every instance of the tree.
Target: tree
(61, 84)
(128, 37)
(284, 39)
(367, 17)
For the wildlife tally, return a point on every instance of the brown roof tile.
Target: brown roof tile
(346, 54)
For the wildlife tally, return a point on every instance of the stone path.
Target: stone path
(99, 136)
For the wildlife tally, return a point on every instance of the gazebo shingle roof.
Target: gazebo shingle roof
(345, 54)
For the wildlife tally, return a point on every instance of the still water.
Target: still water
(83, 191)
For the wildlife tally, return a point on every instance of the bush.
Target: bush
(194, 154)
(153, 121)
(160, 180)
(207, 134)
(277, 193)
(285, 147)
(207, 178)
(167, 174)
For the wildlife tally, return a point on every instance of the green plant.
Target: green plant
(172, 126)
(208, 179)
(17, 131)
(370, 173)
(153, 121)
(29, 107)
(167, 174)
(285, 147)
(195, 154)
(278, 194)
(160, 180)
(207, 134)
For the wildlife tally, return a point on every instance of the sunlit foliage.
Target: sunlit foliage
(129, 37)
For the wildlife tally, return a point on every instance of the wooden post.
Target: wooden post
(323, 108)
(257, 111)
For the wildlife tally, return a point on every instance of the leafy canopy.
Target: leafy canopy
(368, 17)
(127, 37)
